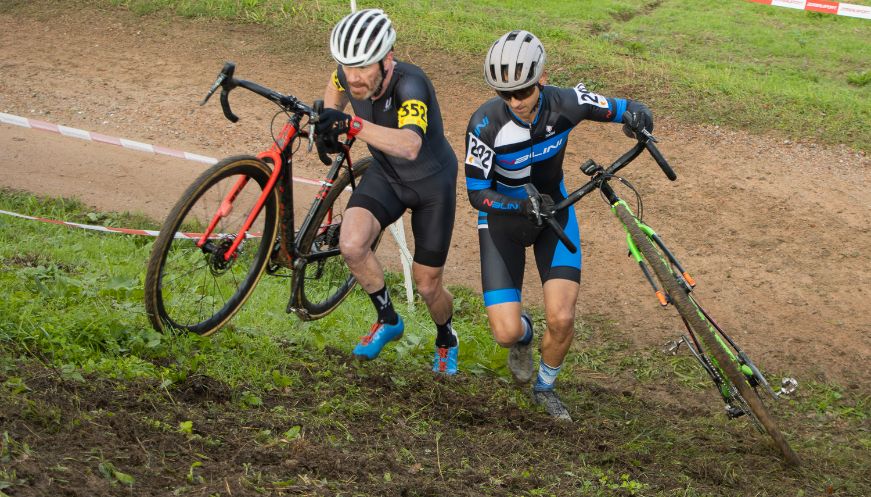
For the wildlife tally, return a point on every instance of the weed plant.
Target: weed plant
(72, 303)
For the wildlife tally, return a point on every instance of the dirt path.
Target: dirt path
(776, 232)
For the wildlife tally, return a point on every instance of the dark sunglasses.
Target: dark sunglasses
(521, 94)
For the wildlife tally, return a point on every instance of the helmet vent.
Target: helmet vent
(514, 61)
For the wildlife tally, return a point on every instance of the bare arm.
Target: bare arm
(333, 98)
(403, 143)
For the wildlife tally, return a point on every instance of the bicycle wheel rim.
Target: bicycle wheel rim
(190, 289)
(682, 302)
(321, 285)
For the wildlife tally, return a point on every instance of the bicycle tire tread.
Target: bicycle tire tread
(303, 308)
(153, 301)
(680, 298)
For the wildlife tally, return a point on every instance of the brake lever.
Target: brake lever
(317, 108)
(649, 136)
(536, 207)
(312, 119)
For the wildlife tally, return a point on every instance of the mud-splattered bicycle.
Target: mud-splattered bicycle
(735, 376)
(236, 221)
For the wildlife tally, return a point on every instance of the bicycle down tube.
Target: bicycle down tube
(735, 376)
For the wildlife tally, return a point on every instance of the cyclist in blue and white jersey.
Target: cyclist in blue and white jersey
(415, 169)
(516, 138)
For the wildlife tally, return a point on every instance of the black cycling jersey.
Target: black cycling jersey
(502, 154)
(409, 102)
(425, 185)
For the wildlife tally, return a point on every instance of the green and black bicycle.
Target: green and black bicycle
(739, 382)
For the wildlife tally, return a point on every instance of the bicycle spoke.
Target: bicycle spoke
(198, 289)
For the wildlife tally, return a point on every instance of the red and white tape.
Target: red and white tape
(837, 8)
(397, 228)
(112, 140)
(109, 229)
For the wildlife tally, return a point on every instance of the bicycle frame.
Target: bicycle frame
(280, 155)
(600, 181)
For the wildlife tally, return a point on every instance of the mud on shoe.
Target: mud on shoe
(446, 359)
(520, 361)
(551, 403)
(379, 335)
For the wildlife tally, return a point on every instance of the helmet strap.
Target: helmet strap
(380, 89)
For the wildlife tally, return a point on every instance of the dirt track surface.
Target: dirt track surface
(775, 232)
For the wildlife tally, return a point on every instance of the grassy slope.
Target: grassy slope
(804, 74)
(72, 301)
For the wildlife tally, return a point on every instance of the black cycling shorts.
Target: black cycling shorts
(432, 202)
(503, 241)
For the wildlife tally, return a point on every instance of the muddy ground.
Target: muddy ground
(775, 231)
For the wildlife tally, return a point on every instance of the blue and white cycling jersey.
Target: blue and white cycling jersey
(503, 153)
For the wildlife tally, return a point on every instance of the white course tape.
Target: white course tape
(396, 229)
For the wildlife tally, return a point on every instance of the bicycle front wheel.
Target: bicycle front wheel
(685, 305)
(322, 280)
(198, 289)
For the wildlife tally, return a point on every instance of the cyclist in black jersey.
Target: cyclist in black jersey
(516, 138)
(398, 116)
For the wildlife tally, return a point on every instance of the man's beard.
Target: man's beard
(370, 92)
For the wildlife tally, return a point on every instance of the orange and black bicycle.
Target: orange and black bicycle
(236, 222)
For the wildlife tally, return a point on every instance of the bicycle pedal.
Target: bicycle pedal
(671, 347)
(788, 386)
(734, 412)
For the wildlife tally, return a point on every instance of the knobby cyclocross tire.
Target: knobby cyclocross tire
(681, 300)
(190, 289)
(320, 285)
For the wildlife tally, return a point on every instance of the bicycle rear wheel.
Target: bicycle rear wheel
(694, 317)
(195, 289)
(322, 280)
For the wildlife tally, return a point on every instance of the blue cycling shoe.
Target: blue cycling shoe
(446, 359)
(379, 334)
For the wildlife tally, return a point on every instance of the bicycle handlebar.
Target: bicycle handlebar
(535, 198)
(289, 103)
(228, 83)
(657, 156)
(599, 176)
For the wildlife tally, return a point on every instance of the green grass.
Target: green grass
(78, 299)
(651, 424)
(801, 74)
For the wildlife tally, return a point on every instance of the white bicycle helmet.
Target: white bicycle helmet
(362, 38)
(515, 61)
